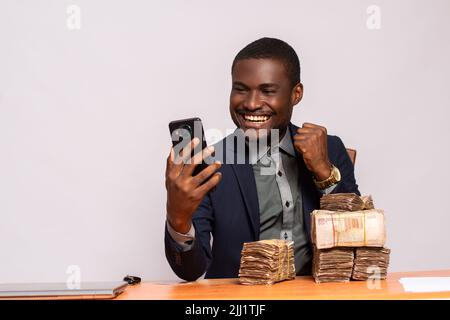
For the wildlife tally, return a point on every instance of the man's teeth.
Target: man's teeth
(256, 118)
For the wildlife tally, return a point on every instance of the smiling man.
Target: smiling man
(241, 202)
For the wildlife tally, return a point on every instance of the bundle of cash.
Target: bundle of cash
(371, 263)
(348, 234)
(267, 262)
(346, 202)
(368, 202)
(332, 265)
(348, 229)
(341, 202)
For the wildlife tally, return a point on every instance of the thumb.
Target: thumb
(299, 146)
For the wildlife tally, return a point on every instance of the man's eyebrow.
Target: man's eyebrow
(261, 86)
(238, 83)
(269, 86)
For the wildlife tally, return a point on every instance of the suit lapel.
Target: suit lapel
(246, 181)
(247, 184)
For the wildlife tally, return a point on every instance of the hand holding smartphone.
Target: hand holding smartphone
(188, 177)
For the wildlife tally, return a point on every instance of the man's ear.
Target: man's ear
(297, 94)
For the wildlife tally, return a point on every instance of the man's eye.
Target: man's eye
(239, 89)
(269, 91)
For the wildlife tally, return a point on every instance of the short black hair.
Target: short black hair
(272, 48)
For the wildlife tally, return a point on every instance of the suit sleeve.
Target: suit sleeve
(340, 158)
(191, 264)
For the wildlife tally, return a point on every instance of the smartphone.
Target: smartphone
(183, 131)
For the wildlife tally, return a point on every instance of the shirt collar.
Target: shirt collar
(285, 146)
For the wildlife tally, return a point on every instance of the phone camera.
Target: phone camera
(183, 133)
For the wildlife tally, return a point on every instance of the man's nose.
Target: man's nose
(252, 101)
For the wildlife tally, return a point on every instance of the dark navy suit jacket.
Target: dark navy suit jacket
(230, 214)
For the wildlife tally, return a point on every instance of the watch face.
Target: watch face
(337, 174)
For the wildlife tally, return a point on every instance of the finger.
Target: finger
(211, 183)
(206, 173)
(302, 136)
(197, 159)
(322, 129)
(170, 158)
(310, 125)
(306, 130)
(173, 169)
(301, 147)
(200, 156)
(299, 136)
(169, 163)
(185, 153)
(312, 132)
(313, 126)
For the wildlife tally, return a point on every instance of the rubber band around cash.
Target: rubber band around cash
(364, 227)
(336, 234)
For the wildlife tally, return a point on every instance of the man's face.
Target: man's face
(262, 96)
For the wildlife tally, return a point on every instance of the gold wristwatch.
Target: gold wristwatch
(334, 178)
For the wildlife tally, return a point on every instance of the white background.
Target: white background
(84, 114)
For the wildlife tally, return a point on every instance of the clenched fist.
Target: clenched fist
(311, 142)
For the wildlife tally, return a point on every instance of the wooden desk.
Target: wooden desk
(300, 288)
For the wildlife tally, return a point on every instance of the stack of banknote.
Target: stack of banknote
(370, 263)
(332, 265)
(267, 262)
(363, 228)
(348, 235)
(341, 202)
